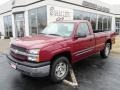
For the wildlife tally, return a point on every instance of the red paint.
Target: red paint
(52, 45)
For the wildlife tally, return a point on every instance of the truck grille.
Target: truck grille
(21, 49)
(16, 55)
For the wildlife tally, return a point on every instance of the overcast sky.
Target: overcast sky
(106, 1)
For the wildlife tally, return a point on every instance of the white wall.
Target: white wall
(23, 2)
(115, 9)
(5, 7)
(66, 15)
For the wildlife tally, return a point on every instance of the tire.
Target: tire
(59, 69)
(106, 51)
(24, 75)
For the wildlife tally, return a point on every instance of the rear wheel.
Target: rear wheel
(106, 51)
(59, 69)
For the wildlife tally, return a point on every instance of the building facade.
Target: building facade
(20, 18)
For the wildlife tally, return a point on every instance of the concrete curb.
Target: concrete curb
(115, 52)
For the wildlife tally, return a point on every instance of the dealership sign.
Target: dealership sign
(95, 6)
(59, 14)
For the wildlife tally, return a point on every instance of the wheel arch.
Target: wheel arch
(64, 53)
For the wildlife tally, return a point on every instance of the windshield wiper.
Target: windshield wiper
(54, 34)
(41, 33)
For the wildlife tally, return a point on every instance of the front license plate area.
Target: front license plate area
(13, 65)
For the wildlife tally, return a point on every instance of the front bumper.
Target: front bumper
(30, 69)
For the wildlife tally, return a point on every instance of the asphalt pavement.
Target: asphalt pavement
(93, 73)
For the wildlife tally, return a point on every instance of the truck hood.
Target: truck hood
(38, 41)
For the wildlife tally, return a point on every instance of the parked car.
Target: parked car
(58, 45)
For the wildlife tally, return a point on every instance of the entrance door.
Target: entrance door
(20, 24)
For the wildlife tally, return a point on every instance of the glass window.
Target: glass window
(109, 23)
(93, 19)
(8, 26)
(86, 16)
(83, 29)
(59, 29)
(117, 20)
(78, 15)
(33, 21)
(100, 23)
(37, 20)
(105, 23)
(42, 18)
(20, 24)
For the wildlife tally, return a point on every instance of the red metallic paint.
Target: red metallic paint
(52, 45)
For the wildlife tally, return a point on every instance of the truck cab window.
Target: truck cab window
(83, 29)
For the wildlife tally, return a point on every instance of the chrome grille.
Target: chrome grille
(21, 49)
(18, 52)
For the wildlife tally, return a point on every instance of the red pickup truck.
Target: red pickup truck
(60, 44)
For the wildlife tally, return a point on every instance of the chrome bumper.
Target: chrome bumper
(33, 70)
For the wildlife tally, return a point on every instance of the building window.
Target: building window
(20, 24)
(93, 20)
(86, 16)
(8, 26)
(100, 23)
(78, 15)
(109, 23)
(105, 23)
(33, 21)
(37, 20)
(42, 18)
(117, 21)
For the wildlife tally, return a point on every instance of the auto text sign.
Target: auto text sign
(59, 14)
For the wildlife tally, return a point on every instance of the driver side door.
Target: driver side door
(82, 43)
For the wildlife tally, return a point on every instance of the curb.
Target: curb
(114, 52)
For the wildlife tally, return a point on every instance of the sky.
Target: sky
(106, 1)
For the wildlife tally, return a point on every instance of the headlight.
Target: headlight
(33, 55)
(34, 51)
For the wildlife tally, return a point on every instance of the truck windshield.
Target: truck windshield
(59, 29)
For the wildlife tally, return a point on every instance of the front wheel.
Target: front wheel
(59, 69)
(106, 51)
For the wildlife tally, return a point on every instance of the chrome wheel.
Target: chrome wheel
(61, 69)
(107, 49)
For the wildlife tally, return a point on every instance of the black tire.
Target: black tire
(106, 51)
(55, 69)
(24, 75)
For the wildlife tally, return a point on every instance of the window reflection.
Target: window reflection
(20, 24)
(102, 23)
(8, 26)
(37, 20)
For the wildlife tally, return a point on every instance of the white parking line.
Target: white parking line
(72, 83)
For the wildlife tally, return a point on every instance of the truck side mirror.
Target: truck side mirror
(79, 35)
